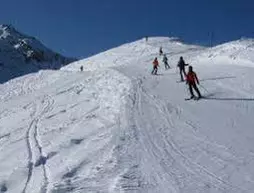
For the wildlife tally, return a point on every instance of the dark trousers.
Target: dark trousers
(194, 86)
(166, 65)
(182, 71)
(155, 69)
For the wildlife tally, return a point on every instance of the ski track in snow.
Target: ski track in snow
(168, 149)
(32, 136)
(193, 166)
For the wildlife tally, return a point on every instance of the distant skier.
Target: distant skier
(160, 51)
(146, 38)
(165, 60)
(155, 66)
(192, 81)
(81, 68)
(181, 65)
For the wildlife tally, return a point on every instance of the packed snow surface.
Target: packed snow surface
(115, 128)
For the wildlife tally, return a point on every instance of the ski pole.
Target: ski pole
(204, 88)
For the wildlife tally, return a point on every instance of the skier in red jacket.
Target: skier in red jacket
(191, 80)
(155, 66)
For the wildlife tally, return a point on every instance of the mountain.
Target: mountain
(21, 54)
(115, 128)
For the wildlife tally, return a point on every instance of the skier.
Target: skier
(81, 68)
(191, 80)
(160, 51)
(165, 60)
(155, 66)
(146, 38)
(181, 65)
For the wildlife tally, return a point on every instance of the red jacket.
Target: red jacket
(155, 63)
(192, 78)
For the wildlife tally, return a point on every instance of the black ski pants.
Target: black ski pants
(182, 71)
(194, 86)
(166, 65)
(155, 69)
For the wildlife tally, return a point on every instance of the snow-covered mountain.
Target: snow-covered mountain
(115, 128)
(239, 52)
(21, 54)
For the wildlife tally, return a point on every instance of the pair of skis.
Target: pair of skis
(193, 98)
(190, 98)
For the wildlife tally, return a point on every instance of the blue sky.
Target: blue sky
(84, 27)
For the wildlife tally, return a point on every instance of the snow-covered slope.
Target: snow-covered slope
(21, 54)
(135, 52)
(238, 52)
(115, 128)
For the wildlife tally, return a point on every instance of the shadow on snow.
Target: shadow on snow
(228, 99)
(218, 78)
